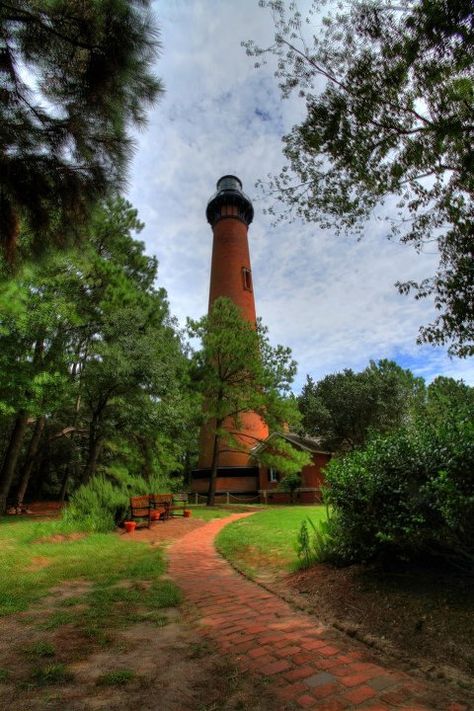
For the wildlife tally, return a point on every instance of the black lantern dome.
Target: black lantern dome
(229, 201)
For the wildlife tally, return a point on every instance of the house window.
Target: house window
(247, 278)
(272, 475)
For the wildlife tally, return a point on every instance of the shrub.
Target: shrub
(408, 495)
(303, 547)
(103, 503)
(290, 483)
(314, 546)
(98, 505)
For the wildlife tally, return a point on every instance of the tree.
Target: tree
(33, 365)
(389, 92)
(291, 483)
(97, 356)
(445, 395)
(343, 409)
(74, 77)
(238, 371)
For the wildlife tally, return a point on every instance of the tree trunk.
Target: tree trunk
(9, 230)
(211, 494)
(64, 483)
(30, 459)
(11, 457)
(76, 368)
(95, 444)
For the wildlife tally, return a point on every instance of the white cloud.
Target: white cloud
(331, 299)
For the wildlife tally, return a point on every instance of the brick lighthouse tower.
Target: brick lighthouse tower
(230, 212)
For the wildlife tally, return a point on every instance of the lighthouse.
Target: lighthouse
(229, 213)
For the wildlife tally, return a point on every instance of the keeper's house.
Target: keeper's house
(252, 482)
(312, 476)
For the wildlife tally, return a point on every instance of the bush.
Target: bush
(291, 483)
(407, 495)
(315, 545)
(103, 503)
(303, 546)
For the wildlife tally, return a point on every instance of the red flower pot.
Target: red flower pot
(130, 526)
(155, 515)
(186, 513)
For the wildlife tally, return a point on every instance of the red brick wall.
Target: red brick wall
(236, 483)
(230, 253)
(282, 497)
(312, 475)
(253, 430)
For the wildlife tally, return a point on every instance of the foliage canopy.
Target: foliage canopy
(344, 409)
(408, 495)
(75, 75)
(98, 362)
(389, 93)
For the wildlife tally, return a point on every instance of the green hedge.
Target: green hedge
(407, 495)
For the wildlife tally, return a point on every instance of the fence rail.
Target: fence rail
(229, 498)
(262, 496)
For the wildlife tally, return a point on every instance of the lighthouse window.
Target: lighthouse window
(247, 279)
(229, 211)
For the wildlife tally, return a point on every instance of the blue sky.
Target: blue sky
(331, 299)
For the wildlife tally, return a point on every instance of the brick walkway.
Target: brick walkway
(312, 667)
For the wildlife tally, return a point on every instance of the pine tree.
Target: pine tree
(238, 371)
(75, 76)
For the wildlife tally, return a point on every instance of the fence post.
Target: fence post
(196, 498)
(228, 498)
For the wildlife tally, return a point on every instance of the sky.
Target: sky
(331, 299)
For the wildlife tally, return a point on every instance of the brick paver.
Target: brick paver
(310, 666)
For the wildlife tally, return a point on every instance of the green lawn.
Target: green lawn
(266, 542)
(31, 564)
(36, 556)
(80, 593)
(207, 513)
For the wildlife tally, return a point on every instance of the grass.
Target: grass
(112, 607)
(37, 556)
(119, 677)
(101, 558)
(266, 542)
(113, 583)
(41, 649)
(208, 513)
(109, 607)
(56, 620)
(51, 674)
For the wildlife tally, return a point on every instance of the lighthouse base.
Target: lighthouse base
(232, 482)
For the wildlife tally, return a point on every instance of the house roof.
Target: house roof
(308, 444)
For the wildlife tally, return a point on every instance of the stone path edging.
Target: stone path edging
(308, 668)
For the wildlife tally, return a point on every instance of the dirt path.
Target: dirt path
(306, 665)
